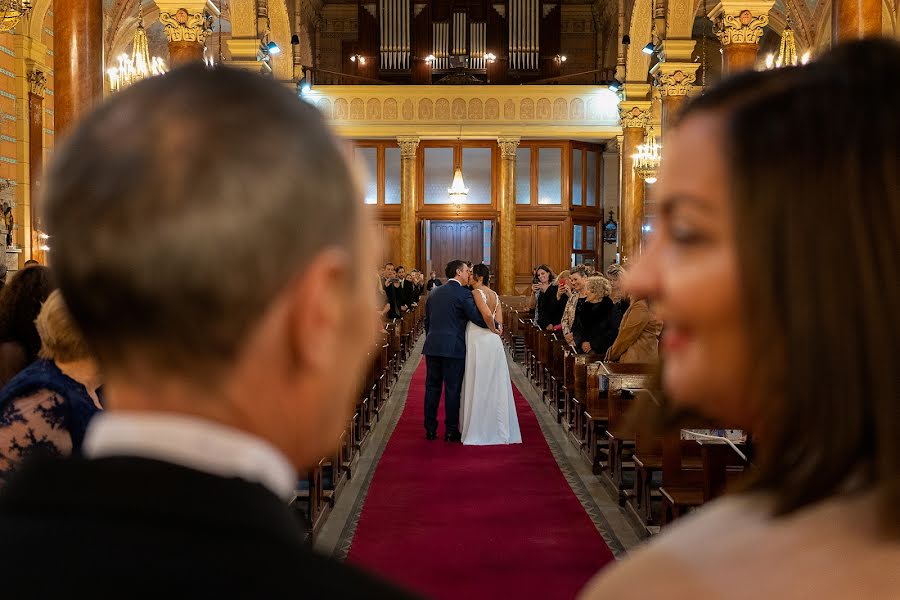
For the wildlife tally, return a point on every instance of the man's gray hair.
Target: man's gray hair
(183, 206)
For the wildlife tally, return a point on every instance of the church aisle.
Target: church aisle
(453, 521)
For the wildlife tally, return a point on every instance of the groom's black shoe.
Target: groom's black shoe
(431, 435)
(453, 437)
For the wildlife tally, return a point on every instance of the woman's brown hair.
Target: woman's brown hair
(814, 157)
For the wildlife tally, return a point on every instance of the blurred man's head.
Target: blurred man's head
(390, 271)
(143, 214)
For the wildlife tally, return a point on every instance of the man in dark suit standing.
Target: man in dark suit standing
(222, 386)
(447, 312)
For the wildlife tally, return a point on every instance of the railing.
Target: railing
(323, 77)
(597, 76)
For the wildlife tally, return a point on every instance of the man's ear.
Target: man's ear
(316, 311)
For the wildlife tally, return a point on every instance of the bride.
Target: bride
(489, 411)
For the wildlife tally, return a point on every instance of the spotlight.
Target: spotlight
(490, 57)
(273, 48)
(358, 58)
(303, 86)
(560, 58)
(430, 59)
(295, 40)
(649, 49)
(626, 40)
(615, 86)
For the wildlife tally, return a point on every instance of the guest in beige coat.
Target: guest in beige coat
(638, 338)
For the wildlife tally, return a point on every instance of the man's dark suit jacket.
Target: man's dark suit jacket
(447, 312)
(132, 527)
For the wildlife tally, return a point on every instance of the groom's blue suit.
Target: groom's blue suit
(447, 312)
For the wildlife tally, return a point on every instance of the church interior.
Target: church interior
(524, 135)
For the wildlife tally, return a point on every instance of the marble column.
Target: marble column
(634, 117)
(187, 25)
(77, 59)
(739, 28)
(408, 151)
(37, 83)
(852, 19)
(507, 254)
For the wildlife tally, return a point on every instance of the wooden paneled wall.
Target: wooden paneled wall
(389, 234)
(542, 242)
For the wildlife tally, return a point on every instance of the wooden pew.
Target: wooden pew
(621, 378)
(596, 418)
(695, 472)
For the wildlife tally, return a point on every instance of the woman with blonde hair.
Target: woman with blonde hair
(595, 321)
(45, 409)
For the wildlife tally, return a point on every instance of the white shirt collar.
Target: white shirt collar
(191, 442)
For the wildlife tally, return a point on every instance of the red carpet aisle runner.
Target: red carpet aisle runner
(467, 522)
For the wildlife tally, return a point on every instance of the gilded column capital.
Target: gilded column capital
(408, 146)
(743, 28)
(675, 83)
(508, 146)
(634, 115)
(186, 26)
(37, 82)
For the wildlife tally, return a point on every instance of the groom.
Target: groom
(447, 312)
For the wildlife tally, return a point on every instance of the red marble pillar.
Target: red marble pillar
(77, 59)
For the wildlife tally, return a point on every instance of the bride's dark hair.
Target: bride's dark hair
(482, 271)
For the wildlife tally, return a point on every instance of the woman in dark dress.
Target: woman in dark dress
(552, 303)
(597, 320)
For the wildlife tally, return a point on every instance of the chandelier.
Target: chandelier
(458, 191)
(787, 53)
(647, 159)
(12, 11)
(140, 64)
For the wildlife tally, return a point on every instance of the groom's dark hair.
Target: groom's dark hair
(482, 271)
(452, 267)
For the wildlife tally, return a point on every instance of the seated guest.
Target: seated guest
(576, 298)
(47, 406)
(433, 282)
(638, 337)
(216, 405)
(552, 303)
(762, 336)
(614, 273)
(20, 303)
(593, 329)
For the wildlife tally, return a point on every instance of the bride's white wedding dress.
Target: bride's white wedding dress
(488, 409)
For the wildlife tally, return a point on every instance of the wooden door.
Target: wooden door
(451, 240)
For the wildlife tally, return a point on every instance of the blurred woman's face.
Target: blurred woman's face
(690, 273)
(576, 282)
(543, 276)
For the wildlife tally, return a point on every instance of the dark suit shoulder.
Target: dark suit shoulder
(155, 529)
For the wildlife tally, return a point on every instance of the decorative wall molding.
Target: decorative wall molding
(499, 110)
